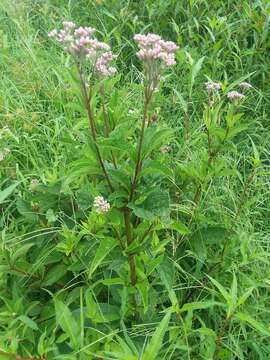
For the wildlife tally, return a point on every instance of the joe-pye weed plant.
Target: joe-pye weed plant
(140, 206)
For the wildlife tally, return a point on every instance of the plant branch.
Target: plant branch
(220, 336)
(106, 121)
(147, 99)
(131, 258)
(87, 103)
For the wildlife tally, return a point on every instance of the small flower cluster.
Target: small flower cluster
(235, 96)
(100, 205)
(156, 54)
(212, 86)
(80, 43)
(4, 154)
(153, 47)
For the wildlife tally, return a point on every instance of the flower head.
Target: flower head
(212, 86)
(102, 64)
(245, 85)
(153, 48)
(81, 44)
(100, 205)
(235, 95)
(156, 54)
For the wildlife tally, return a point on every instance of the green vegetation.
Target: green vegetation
(178, 267)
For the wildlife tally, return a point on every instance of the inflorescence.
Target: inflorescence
(82, 45)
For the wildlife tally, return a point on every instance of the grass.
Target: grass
(195, 302)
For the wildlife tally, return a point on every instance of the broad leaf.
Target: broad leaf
(4, 194)
(67, 322)
(155, 344)
(105, 247)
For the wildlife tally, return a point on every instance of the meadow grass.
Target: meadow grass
(199, 299)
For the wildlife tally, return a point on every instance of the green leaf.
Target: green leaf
(179, 227)
(236, 130)
(100, 312)
(182, 101)
(166, 273)
(234, 290)
(112, 281)
(198, 305)
(155, 205)
(28, 322)
(54, 274)
(143, 288)
(21, 251)
(81, 168)
(222, 291)
(67, 322)
(4, 194)
(194, 72)
(244, 297)
(154, 138)
(155, 344)
(253, 323)
(105, 247)
(154, 167)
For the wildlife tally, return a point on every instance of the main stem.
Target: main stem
(87, 100)
(131, 258)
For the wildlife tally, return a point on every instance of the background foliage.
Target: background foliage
(62, 297)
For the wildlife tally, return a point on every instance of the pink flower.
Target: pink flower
(53, 33)
(100, 205)
(212, 86)
(154, 48)
(157, 54)
(102, 64)
(235, 95)
(80, 43)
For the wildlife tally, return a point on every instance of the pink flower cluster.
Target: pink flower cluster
(80, 43)
(212, 86)
(235, 96)
(102, 64)
(100, 205)
(154, 48)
